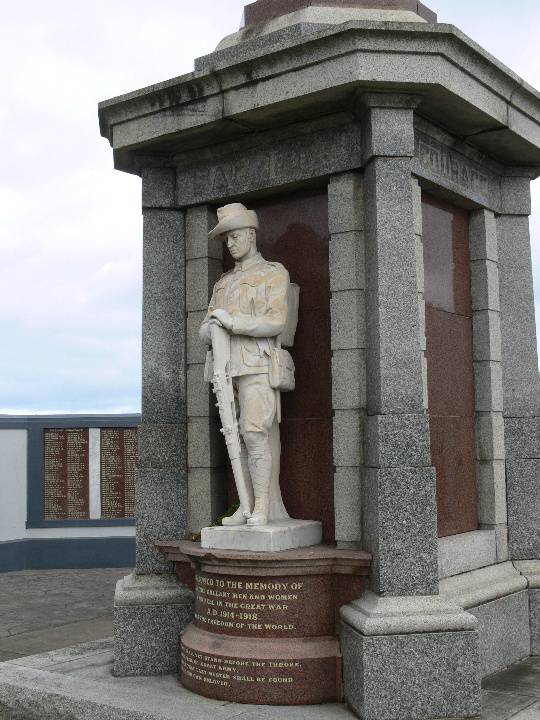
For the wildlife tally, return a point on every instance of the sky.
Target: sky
(70, 226)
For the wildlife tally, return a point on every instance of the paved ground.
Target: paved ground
(45, 610)
(41, 612)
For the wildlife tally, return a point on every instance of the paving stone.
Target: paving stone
(522, 678)
(502, 706)
(34, 600)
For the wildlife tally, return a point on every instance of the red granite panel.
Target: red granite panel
(307, 471)
(462, 263)
(294, 231)
(438, 257)
(265, 10)
(450, 363)
(312, 357)
(185, 573)
(449, 358)
(453, 455)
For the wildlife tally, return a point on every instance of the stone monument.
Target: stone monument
(388, 159)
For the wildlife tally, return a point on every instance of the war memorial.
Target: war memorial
(339, 360)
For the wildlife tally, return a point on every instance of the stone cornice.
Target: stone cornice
(464, 89)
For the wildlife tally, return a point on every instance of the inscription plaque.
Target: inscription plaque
(309, 672)
(265, 625)
(264, 607)
(118, 457)
(65, 482)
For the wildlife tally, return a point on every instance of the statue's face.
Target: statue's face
(239, 242)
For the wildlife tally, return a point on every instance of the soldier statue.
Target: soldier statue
(249, 316)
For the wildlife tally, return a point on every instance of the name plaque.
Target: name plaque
(265, 624)
(118, 458)
(65, 481)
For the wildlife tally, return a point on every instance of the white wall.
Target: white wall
(12, 484)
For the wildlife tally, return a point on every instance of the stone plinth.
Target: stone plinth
(265, 627)
(276, 536)
(265, 10)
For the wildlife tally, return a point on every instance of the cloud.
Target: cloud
(70, 229)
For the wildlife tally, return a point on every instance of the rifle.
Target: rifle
(224, 392)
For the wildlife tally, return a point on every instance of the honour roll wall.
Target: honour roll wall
(68, 491)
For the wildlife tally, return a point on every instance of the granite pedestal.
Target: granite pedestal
(265, 625)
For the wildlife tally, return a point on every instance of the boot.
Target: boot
(238, 518)
(260, 475)
(260, 469)
(260, 513)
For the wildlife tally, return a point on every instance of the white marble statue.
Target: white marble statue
(251, 314)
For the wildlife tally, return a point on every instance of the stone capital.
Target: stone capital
(390, 100)
(158, 187)
(388, 125)
(516, 194)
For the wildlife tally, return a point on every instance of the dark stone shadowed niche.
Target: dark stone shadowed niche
(265, 10)
(294, 231)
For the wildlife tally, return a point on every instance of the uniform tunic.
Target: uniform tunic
(255, 294)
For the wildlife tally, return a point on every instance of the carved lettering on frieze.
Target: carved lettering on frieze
(304, 157)
(439, 160)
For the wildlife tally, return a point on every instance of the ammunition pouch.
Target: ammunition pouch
(281, 370)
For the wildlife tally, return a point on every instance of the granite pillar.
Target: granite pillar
(520, 369)
(206, 457)
(400, 482)
(490, 454)
(401, 630)
(519, 350)
(347, 285)
(151, 607)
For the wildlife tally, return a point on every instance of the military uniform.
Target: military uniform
(253, 301)
(255, 294)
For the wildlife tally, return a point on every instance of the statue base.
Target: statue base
(265, 626)
(276, 536)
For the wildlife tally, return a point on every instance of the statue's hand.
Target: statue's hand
(224, 318)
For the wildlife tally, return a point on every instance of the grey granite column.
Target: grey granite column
(519, 350)
(490, 454)
(348, 322)
(206, 449)
(151, 607)
(521, 388)
(400, 634)
(400, 505)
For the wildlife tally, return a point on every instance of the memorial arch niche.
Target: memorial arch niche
(294, 231)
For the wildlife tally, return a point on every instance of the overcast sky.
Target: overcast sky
(70, 226)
